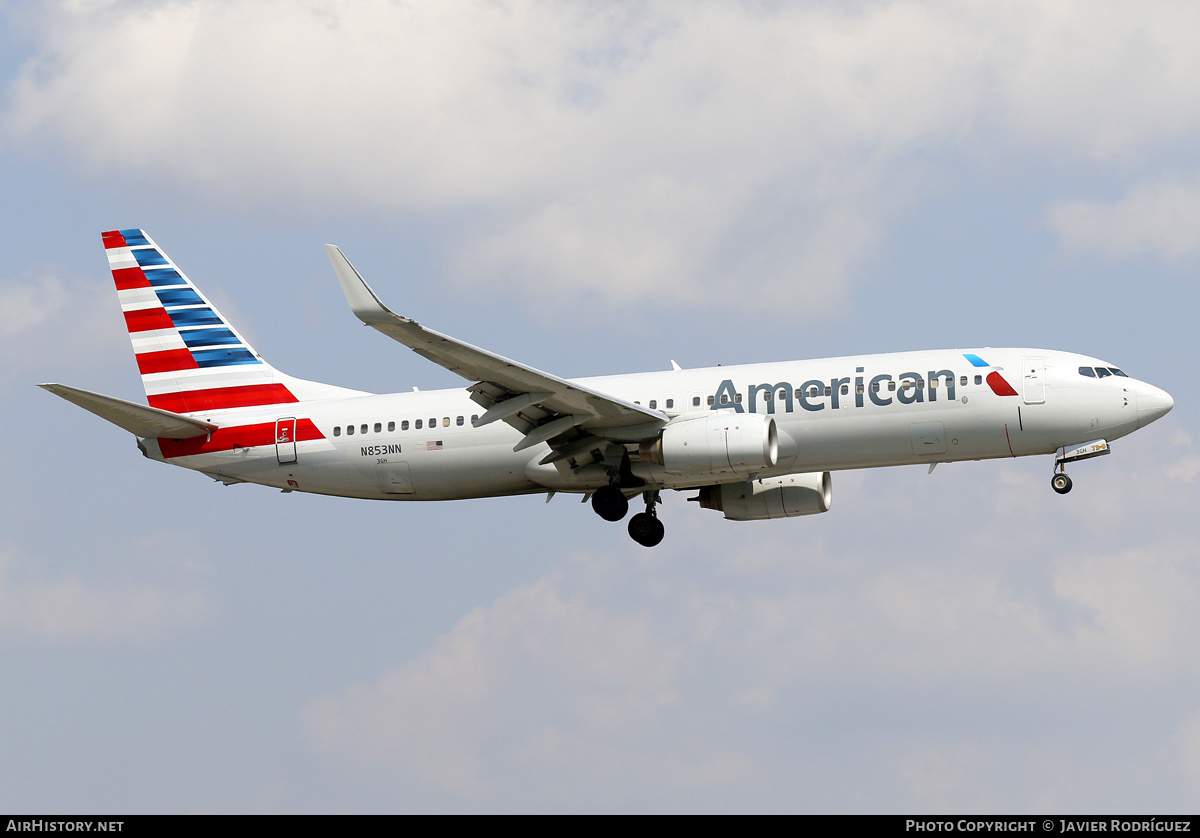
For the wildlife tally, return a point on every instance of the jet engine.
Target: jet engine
(772, 497)
(724, 443)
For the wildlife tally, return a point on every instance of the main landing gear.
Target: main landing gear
(645, 528)
(611, 504)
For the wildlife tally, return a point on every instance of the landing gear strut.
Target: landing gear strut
(645, 528)
(1069, 454)
(609, 502)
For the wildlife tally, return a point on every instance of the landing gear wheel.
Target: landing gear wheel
(1060, 483)
(646, 529)
(609, 503)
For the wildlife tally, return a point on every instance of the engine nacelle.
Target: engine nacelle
(723, 443)
(772, 497)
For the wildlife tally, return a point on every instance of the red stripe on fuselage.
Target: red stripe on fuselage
(168, 360)
(226, 439)
(113, 238)
(222, 398)
(148, 319)
(999, 385)
(127, 278)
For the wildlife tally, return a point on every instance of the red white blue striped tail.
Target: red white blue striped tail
(191, 358)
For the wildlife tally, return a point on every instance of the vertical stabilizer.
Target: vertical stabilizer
(190, 357)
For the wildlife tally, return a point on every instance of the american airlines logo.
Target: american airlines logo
(814, 395)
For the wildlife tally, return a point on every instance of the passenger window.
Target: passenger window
(737, 398)
(769, 395)
(962, 381)
(418, 424)
(458, 421)
(363, 429)
(710, 401)
(391, 427)
(829, 391)
(337, 431)
(724, 399)
(432, 422)
(670, 403)
(654, 404)
(933, 383)
(1101, 372)
(445, 421)
(845, 389)
(404, 425)
(813, 392)
(891, 386)
(474, 416)
(349, 430)
(378, 427)
(979, 379)
(1087, 371)
(695, 401)
(920, 384)
(858, 388)
(874, 386)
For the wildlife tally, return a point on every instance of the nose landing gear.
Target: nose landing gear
(1060, 482)
(1069, 454)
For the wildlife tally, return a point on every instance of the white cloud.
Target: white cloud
(68, 607)
(26, 305)
(1160, 217)
(528, 676)
(1135, 608)
(50, 321)
(1106, 80)
(626, 150)
(598, 683)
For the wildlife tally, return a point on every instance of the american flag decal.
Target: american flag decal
(433, 446)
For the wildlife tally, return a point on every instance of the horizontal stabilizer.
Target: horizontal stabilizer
(136, 418)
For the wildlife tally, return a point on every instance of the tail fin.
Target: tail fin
(190, 357)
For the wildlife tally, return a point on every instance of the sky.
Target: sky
(593, 188)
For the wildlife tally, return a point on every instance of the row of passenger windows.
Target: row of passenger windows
(418, 424)
(1101, 372)
(669, 404)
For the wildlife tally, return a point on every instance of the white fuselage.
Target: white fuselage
(832, 414)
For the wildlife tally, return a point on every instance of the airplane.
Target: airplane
(754, 442)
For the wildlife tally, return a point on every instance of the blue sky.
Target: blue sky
(598, 188)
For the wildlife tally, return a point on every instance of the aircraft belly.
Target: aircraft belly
(898, 438)
(846, 442)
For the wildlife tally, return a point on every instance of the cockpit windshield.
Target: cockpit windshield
(1101, 372)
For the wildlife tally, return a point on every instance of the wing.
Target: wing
(542, 406)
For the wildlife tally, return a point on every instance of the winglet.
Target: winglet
(366, 306)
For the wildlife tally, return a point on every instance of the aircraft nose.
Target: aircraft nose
(1152, 403)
